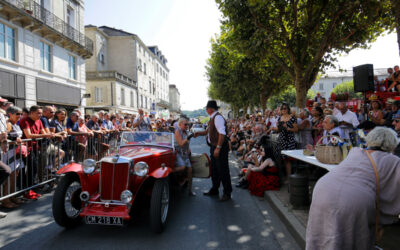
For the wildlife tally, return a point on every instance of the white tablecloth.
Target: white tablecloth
(298, 154)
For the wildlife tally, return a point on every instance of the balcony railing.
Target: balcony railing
(163, 103)
(100, 75)
(49, 19)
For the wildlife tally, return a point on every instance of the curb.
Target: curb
(294, 226)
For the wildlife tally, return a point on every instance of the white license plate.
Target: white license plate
(104, 220)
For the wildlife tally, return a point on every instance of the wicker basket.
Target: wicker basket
(328, 154)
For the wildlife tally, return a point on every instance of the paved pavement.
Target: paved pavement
(199, 222)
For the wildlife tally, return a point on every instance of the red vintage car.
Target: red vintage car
(103, 192)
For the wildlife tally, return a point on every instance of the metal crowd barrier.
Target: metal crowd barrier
(35, 162)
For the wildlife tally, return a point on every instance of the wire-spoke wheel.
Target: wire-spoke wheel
(66, 202)
(159, 205)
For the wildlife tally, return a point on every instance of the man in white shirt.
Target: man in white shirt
(331, 105)
(347, 119)
(219, 149)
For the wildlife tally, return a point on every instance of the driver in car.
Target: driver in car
(183, 152)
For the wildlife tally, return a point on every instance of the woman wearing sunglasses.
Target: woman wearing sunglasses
(287, 126)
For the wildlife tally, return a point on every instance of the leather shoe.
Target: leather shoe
(211, 193)
(225, 197)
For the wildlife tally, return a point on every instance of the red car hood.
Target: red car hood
(142, 151)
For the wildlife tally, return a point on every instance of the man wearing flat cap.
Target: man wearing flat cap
(219, 149)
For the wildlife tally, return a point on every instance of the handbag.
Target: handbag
(378, 228)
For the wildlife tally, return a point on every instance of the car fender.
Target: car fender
(71, 167)
(88, 182)
(161, 172)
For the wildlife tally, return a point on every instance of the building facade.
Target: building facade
(42, 52)
(175, 103)
(161, 76)
(112, 83)
(325, 84)
(126, 54)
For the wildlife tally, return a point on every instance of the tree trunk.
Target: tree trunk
(396, 10)
(263, 101)
(301, 92)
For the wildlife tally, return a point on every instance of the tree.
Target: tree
(304, 36)
(241, 80)
(395, 6)
(288, 96)
(347, 87)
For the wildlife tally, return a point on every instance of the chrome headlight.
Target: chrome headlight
(89, 165)
(141, 168)
(126, 196)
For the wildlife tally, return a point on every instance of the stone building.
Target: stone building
(42, 52)
(161, 76)
(126, 54)
(175, 103)
(111, 75)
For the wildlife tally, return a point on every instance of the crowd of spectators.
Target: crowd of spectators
(304, 129)
(37, 142)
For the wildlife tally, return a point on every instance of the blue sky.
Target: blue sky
(182, 29)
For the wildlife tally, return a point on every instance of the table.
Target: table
(298, 154)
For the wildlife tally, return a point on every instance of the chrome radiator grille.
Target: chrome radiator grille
(114, 179)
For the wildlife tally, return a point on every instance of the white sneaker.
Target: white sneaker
(2, 215)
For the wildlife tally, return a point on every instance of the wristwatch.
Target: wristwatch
(218, 146)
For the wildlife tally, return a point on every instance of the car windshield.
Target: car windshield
(147, 138)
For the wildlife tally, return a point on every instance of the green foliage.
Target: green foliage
(304, 36)
(288, 96)
(238, 79)
(204, 119)
(347, 87)
(195, 113)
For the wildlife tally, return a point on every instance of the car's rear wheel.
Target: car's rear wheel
(66, 202)
(159, 205)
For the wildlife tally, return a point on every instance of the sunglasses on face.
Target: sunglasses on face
(396, 121)
(18, 113)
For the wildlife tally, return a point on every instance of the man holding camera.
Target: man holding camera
(142, 123)
(219, 149)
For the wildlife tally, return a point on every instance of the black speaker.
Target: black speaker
(363, 77)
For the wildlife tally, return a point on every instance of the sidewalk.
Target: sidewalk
(296, 219)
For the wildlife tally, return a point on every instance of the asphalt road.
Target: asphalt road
(200, 222)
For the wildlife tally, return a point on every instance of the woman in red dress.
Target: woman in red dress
(262, 175)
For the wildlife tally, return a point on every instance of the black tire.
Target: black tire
(159, 205)
(68, 189)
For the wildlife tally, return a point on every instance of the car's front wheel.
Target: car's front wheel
(66, 202)
(159, 205)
